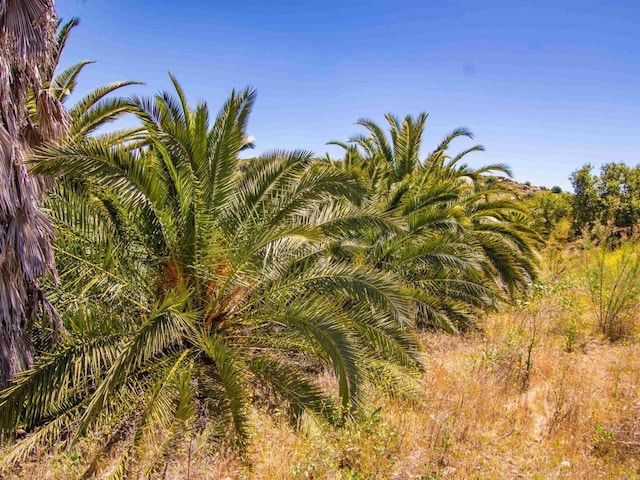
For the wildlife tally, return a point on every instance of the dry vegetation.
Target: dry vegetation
(536, 394)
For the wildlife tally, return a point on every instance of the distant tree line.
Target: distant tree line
(612, 198)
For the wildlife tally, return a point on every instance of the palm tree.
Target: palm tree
(468, 240)
(197, 285)
(500, 227)
(27, 34)
(90, 113)
(93, 111)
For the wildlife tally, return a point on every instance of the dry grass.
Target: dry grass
(537, 394)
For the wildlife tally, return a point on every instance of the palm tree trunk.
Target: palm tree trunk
(27, 35)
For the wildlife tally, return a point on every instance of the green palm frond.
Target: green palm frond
(163, 330)
(161, 411)
(319, 322)
(293, 386)
(64, 32)
(56, 381)
(47, 435)
(65, 82)
(233, 378)
(94, 110)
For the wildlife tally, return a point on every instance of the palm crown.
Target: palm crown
(468, 240)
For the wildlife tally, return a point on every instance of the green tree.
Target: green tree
(587, 207)
(613, 198)
(619, 189)
(549, 208)
(195, 284)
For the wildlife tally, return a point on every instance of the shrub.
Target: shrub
(613, 279)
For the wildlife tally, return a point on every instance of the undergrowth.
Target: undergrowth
(538, 392)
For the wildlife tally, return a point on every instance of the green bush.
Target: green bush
(613, 279)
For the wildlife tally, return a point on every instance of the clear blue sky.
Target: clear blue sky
(545, 86)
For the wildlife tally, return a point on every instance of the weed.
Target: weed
(604, 441)
(571, 335)
(613, 278)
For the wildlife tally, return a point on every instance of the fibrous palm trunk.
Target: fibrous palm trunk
(27, 35)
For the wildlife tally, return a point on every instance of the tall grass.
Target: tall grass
(612, 274)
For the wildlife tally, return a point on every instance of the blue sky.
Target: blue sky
(545, 86)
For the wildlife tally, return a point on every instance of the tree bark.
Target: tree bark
(27, 36)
